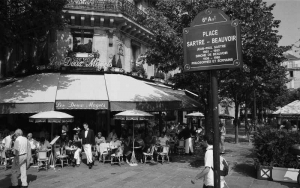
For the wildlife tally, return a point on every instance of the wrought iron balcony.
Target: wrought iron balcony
(116, 6)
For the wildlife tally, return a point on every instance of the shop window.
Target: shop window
(291, 74)
(83, 41)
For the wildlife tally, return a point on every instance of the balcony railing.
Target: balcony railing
(117, 6)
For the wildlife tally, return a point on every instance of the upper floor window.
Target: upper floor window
(82, 41)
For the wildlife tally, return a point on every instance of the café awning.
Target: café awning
(31, 94)
(81, 91)
(291, 110)
(188, 103)
(127, 93)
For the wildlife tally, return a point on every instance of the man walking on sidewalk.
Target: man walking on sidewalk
(88, 140)
(208, 172)
(22, 151)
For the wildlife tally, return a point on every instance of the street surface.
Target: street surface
(177, 173)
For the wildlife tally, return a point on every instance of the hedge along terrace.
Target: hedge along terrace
(271, 147)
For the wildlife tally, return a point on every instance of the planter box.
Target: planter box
(264, 172)
(285, 174)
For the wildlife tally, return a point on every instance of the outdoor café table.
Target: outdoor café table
(70, 151)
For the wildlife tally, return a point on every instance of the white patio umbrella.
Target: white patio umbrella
(195, 115)
(134, 115)
(51, 117)
(225, 116)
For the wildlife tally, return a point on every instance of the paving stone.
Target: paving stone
(101, 179)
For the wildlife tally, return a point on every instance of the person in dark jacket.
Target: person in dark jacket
(88, 140)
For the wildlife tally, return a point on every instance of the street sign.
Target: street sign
(213, 42)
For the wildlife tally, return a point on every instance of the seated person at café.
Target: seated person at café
(114, 144)
(127, 148)
(99, 139)
(34, 146)
(139, 151)
(149, 141)
(111, 135)
(77, 144)
(44, 144)
(163, 139)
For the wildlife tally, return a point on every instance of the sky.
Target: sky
(288, 11)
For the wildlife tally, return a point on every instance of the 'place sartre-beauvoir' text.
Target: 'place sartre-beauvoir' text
(214, 40)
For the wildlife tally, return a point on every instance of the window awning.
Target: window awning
(78, 91)
(31, 94)
(127, 93)
(188, 103)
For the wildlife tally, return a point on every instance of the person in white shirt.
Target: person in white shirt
(7, 143)
(33, 144)
(163, 139)
(22, 151)
(208, 172)
(114, 143)
(99, 139)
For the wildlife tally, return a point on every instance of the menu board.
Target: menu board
(54, 140)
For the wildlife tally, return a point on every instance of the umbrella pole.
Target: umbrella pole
(133, 159)
(51, 131)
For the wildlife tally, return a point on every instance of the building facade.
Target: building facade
(293, 67)
(99, 34)
(102, 34)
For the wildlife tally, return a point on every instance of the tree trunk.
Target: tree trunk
(236, 112)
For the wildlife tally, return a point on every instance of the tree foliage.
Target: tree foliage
(260, 49)
(29, 20)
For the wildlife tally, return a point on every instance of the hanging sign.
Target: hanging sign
(213, 42)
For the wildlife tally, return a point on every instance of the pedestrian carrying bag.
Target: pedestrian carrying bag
(224, 167)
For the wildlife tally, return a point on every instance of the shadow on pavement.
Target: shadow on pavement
(194, 160)
(232, 140)
(6, 182)
(245, 169)
(290, 185)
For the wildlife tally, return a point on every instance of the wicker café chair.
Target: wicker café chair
(105, 152)
(149, 154)
(61, 157)
(116, 158)
(163, 155)
(42, 160)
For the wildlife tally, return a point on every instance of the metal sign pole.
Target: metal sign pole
(215, 123)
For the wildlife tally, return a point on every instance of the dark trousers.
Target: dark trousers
(207, 186)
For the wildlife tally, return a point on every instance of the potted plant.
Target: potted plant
(273, 157)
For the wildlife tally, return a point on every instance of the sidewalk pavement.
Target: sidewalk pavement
(177, 173)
